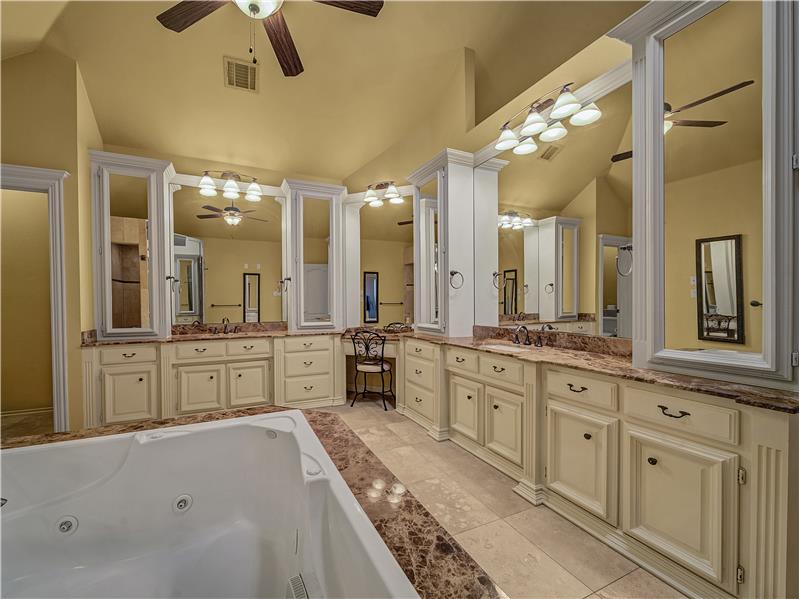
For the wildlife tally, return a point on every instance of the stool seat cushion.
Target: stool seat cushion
(373, 366)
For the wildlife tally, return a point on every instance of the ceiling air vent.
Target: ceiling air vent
(550, 153)
(240, 74)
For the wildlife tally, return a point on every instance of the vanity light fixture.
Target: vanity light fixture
(207, 187)
(377, 203)
(586, 116)
(514, 220)
(230, 191)
(391, 193)
(526, 146)
(554, 132)
(534, 123)
(566, 104)
(370, 196)
(253, 193)
(508, 139)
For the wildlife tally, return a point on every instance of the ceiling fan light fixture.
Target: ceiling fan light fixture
(667, 126)
(554, 132)
(232, 219)
(566, 104)
(526, 146)
(534, 124)
(377, 203)
(586, 116)
(507, 140)
(230, 191)
(259, 9)
(253, 193)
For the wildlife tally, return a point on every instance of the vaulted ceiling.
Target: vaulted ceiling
(366, 80)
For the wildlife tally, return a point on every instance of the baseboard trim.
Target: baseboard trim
(27, 412)
(507, 468)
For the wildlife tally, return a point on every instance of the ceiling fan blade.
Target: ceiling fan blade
(208, 215)
(405, 222)
(371, 8)
(258, 219)
(622, 156)
(245, 211)
(713, 96)
(685, 123)
(212, 208)
(187, 13)
(283, 44)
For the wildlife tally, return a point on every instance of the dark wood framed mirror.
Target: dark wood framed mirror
(720, 310)
(371, 297)
(510, 291)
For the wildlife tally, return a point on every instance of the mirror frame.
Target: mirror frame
(646, 31)
(573, 224)
(158, 173)
(196, 290)
(737, 249)
(257, 275)
(377, 318)
(425, 278)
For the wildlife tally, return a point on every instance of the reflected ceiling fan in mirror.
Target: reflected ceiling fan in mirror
(669, 123)
(187, 13)
(230, 214)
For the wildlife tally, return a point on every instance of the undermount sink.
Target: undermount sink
(505, 347)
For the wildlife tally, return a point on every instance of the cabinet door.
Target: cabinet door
(248, 384)
(201, 387)
(504, 424)
(129, 392)
(681, 499)
(466, 398)
(582, 458)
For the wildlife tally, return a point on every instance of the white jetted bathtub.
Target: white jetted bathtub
(247, 507)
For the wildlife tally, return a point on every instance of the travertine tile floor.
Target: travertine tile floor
(530, 552)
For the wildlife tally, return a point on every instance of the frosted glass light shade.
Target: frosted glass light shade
(376, 203)
(526, 146)
(232, 219)
(258, 9)
(370, 196)
(566, 104)
(667, 126)
(208, 192)
(507, 140)
(391, 192)
(586, 116)
(533, 125)
(554, 132)
(397, 200)
(230, 191)
(206, 181)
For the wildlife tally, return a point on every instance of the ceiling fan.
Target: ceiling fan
(669, 111)
(188, 12)
(230, 214)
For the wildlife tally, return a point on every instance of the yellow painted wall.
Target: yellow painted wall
(584, 206)
(609, 276)
(385, 258)
(224, 263)
(724, 202)
(26, 375)
(47, 123)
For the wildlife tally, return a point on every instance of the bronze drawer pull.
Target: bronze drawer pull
(200, 350)
(587, 436)
(308, 343)
(469, 397)
(418, 400)
(652, 461)
(680, 414)
(496, 407)
(308, 362)
(574, 390)
(211, 378)
(308, 387)
(418, 349)
(248, 347)
(501, 369)
(238, 376)
(130, 355)
(417, 371)
(141, 379)
(459, 359)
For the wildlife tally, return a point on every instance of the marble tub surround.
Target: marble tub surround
(613, 346)
(437, 566)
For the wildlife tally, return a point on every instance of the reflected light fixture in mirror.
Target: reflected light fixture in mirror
(253, 193)
(207, 186)
(230, 191)
(514, 220)
(232, 219)
(258, 9)
(391, 193)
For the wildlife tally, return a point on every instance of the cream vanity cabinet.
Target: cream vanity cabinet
(420, 397)
(487, 406)
(309, 371)
(128, 382)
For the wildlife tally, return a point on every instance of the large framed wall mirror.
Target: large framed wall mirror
(316, 260)
(427, 222)
(720, 314)
(129, 195)
(720, 132)
(226, 269)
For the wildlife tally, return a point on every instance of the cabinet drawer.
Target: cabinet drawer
(419, 350)
(306, 343)
(582, 458)
(463, 359)
(201, 388)
(504, 424)
(305, 363)
(466, 403)
(419, 400)
(248, 383)
(199, 349)
(128, 354)
(129, 393)
(249, 347)
(420, 373)
(691, 417)
(506, 370)
(578, 387)
(308, 387)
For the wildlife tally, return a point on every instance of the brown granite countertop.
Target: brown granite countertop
(622, 367)
(433, 561)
